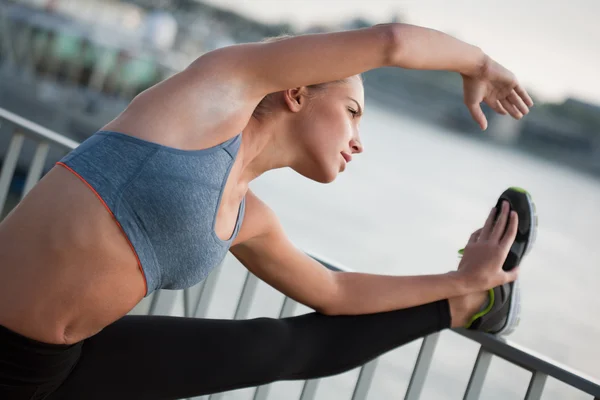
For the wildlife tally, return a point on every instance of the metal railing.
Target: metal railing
(17, 129)
(196, 300)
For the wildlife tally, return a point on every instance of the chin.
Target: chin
(321, 175)
(326, 178)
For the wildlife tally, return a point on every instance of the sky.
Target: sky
(553, 47)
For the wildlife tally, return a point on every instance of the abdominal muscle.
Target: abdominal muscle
(66, 268)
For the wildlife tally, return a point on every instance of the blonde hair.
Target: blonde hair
(266, 104)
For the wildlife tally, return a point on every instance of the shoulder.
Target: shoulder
(201, 106)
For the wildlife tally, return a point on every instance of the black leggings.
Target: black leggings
(160, 357)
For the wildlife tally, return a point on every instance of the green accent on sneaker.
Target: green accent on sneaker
(518, 189)
(461, 251)
(485, 311)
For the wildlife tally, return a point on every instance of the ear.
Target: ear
(296, 98)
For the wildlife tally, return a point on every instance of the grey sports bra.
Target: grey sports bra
(164, 199)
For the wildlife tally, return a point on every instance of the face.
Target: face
(326, 129)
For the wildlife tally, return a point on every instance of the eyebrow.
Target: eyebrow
(360, 110)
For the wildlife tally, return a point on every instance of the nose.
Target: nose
(356, 146)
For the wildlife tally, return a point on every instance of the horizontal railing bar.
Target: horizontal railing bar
(29, 127)
(531, 361)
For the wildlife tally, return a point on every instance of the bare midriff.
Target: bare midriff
(66, 268)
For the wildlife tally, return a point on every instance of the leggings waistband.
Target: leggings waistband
(28, 361)
(10, 336)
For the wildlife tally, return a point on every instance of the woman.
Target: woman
(157, 197)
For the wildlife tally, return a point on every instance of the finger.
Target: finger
(504, 112)
(524, 95)
(500, 226)
(478, 115)
(488, 226)
(496, 106)
(516, 101)
(513, 274)
(512, 110)
(511, 231)
(475, 236)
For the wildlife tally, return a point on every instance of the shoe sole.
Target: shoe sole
(514, 312)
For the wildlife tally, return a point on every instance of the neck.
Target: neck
(263, 148)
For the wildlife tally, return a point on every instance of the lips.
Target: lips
(347, 157)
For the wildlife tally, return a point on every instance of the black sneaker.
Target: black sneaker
(502, 314)
(521, 202)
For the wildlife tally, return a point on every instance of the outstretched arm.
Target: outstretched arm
(250, 71)
(264, 249)
(325, 57)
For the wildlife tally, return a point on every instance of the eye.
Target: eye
(353, 112)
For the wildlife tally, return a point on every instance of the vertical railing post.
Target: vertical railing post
(287, 310)
(365, 378)
(309, 390)
(8, 166)
(536, 386)
(480, 369)
(419, 374)
(243, 309)
(163, 302)
(245, 301)
(207, 290)
(37, 165)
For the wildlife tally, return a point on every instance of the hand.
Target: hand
(498, 88)
(488, 247)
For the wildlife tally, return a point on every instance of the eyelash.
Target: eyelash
(353, 112)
